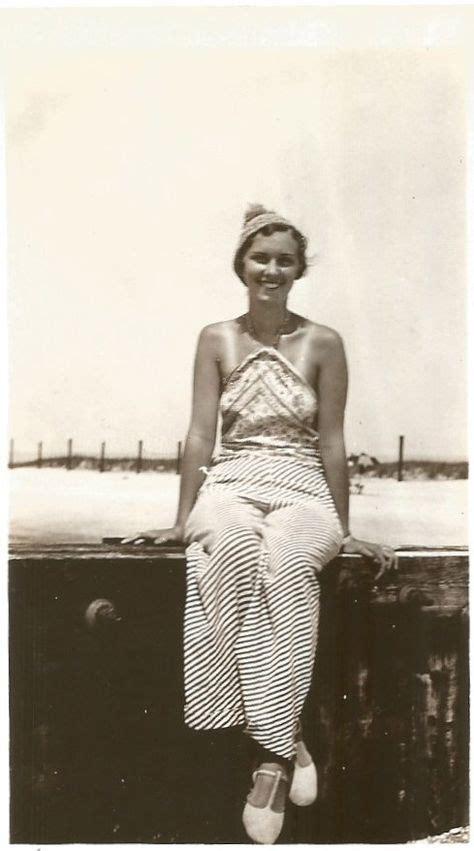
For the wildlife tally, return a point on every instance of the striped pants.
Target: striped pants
(252, 610)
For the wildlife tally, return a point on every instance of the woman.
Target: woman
(263, 517)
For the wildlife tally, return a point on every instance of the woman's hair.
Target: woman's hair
(259, 220)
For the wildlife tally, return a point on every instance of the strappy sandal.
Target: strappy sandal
(264, 824)
(304, 785)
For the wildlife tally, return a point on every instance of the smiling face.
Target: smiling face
(270, 266)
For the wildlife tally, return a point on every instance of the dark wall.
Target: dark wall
(99, 750)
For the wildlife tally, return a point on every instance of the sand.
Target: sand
(52, 505)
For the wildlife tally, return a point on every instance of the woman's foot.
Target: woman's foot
(264, 811)
(304, 785)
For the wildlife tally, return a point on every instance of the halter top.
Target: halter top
(267, 404)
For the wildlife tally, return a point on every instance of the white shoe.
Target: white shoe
(304, 786)
(264, 824)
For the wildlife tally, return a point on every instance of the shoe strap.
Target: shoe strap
(277, 776)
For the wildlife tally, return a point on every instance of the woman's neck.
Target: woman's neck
(267, 319)
(266, 326)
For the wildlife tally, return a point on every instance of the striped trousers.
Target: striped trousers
(252, 609)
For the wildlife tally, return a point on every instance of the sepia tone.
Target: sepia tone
(135, 138)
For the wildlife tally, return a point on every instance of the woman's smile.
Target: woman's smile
(271, 264)
(269, 286)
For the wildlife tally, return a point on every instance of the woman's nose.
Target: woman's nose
(271, 268)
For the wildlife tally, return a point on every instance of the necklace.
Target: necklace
(275, 339)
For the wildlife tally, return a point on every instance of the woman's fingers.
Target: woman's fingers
(380, 557)
(135, 539)
(153, 536)
(162, 539)
(384, 556)
(383, 569)
(139, 538)
(387, 559)
(367, 552)
(392, 558)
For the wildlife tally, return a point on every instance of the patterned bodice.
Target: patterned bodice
(267, 403)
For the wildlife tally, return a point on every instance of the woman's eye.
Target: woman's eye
(287, 260)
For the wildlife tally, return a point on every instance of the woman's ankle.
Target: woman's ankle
(266, 776)
(263, 755)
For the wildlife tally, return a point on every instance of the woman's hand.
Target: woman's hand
(385, 556)
(157, 537)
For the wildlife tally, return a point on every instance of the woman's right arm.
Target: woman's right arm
(201, 437)
(200, 440)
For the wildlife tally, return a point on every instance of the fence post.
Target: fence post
(11, 458)
(40, 455)
(178, 459)
(69, 454)
(400, 457)
(102, 457)
(139, 456)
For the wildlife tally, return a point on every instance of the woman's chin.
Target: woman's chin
(269, 295)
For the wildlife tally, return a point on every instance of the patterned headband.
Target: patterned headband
(256, 218)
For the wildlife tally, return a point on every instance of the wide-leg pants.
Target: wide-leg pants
(252, 611)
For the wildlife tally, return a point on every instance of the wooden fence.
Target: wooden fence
(99, 750)
(101, 462)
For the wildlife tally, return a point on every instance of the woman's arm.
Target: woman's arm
(332, 394)
(201, 437)
(200, 440)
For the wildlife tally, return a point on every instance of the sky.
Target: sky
(135, 138)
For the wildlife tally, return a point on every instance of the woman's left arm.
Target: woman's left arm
(332, 394)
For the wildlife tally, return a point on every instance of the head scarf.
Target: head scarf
(256, 218)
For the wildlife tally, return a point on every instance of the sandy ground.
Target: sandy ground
(53, 505)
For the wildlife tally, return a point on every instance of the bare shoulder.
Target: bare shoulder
(323, 338)
(213, 337)
(218, 331)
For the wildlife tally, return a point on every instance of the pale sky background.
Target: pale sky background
(135, 140)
